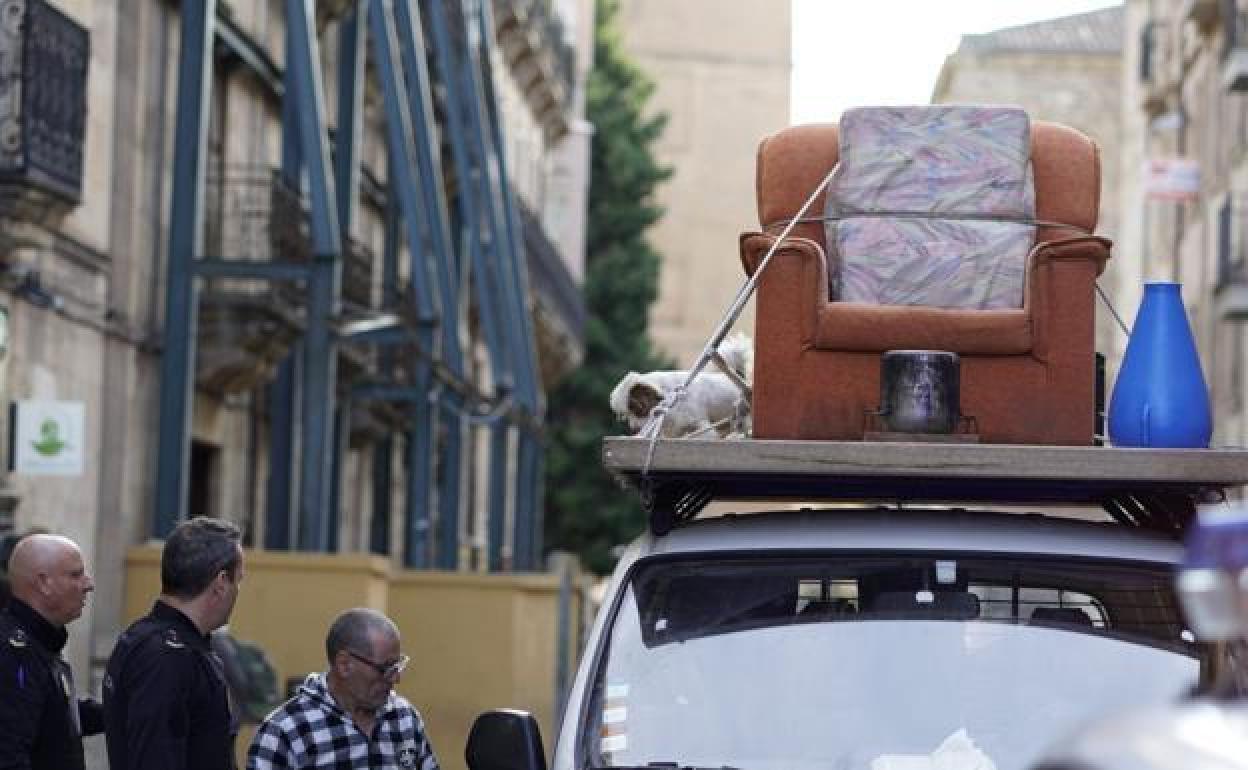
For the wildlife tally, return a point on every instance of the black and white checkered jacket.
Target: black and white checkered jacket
(311, 730)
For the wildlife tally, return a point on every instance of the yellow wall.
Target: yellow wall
(476, 641)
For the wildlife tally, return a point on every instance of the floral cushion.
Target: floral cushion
(927, 207)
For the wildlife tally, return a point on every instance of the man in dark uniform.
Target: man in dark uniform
(41, 719)
(165, 700)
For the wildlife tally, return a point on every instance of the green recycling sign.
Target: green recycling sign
(48, 437)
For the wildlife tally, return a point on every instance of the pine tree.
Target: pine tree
(586, 512)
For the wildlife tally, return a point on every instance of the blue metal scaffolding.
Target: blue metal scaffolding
(418, 332)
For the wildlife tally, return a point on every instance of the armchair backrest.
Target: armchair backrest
(1066, 165)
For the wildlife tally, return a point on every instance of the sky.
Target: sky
(849, 53)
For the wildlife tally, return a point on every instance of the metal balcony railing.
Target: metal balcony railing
(357, 274)
(1232, 246)
(250, 213)
(549, 277)
(246, 326)
(43, 98)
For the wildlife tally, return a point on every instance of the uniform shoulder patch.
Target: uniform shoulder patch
(17, 639)
(172, 641)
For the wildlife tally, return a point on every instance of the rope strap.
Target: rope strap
(654, 425)
(953, 215)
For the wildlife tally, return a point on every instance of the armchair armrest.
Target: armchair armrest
(793, 287)
(754, 247)
(1062, 311)
(1092, 248)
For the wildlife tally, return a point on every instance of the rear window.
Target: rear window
(1127, 600)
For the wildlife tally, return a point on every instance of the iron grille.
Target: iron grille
(357, 274)
(43, 97)
(250, 213)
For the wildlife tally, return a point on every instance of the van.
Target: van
(888, 635)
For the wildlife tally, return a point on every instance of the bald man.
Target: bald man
(41, 719)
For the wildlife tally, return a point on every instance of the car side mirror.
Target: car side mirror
(505, 739)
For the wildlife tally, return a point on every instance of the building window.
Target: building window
(1237, 368)
(1147, 35)
(201, 491)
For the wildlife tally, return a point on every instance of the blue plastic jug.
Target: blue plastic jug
(1160, 398)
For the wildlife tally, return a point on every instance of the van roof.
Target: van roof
(911, 530)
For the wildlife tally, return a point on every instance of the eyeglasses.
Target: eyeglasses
(386, 670)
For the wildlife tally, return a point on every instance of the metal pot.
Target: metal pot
(919, 391)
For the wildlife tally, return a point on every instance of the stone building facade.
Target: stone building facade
(85, 185)
(1067, 70)
(721, 68)
(1184, 86)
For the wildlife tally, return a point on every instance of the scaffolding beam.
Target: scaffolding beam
(186, 228)
(280, 531)
(321, 359)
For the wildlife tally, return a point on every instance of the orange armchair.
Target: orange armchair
(1028, 374)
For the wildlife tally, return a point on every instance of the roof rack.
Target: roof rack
(1150, 488)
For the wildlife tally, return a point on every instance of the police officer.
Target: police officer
(165, 700)
(41, 719)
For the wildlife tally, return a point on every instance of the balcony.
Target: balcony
(543, 64)
(357, 275)
(1235, 53)
(559, 311)
(357, 361)
(1231, 293)
(43, 109)
(247, 326)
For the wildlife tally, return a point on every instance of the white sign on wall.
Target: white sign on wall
(1173, 179)
(49, 437)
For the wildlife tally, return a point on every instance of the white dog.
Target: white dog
(714, 406)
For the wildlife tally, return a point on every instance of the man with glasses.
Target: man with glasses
(165, 699)
(349, 716)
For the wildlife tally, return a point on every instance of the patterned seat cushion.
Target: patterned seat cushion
(910, 209)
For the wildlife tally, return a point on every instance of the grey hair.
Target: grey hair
(351, 631)
(195, 552)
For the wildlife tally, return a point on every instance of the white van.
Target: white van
(852, 640)
(882, 638)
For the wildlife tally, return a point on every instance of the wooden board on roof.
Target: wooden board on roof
(1150, 487)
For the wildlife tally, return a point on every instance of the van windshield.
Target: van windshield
(872, 662)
